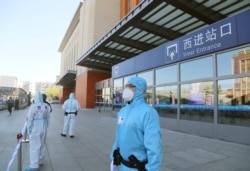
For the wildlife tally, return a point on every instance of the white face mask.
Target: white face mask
(127, 94)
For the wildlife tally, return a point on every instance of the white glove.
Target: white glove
(113, 167)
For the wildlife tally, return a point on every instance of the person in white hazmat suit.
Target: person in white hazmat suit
(37, 123)
(137, 145)
(70, 107)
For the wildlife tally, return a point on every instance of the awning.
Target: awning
(152, 23)
(68, 79)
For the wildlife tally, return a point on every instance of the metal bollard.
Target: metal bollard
(19, 159)
(18, 149)
(25, 140)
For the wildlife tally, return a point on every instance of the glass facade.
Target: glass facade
(197, 69)
(234, 62)
(234, 102)
(166, 101)
(234, 92)
(214, 89)
(197, 101)
(103, 93)
(148, 76)
(117, 91)
(166, 75)
(149, 96)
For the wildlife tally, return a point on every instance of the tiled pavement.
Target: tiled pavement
(90, 149)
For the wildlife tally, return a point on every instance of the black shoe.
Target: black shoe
(72, 136)
(64, 135)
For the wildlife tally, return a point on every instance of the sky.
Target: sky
(30, 35)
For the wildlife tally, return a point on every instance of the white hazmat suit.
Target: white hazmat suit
(37, 123)
(138, 131)
(70, 107)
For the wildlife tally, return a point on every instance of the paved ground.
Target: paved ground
(90, 149)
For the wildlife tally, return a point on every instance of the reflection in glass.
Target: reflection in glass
(148, 97)
(197, 69)
(234, 101)
(166, 75)
(98, 96)
(148, 76)
(166, 101)
(197, 102)
(117, 94)
(103, 94)
(106, 95)
(234, 62)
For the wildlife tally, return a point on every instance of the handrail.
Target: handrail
(18, 149)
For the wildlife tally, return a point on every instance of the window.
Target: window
(197, 69)
(117, 94)
(234, 101)
(197, 101)
(166, 101)
(166, 75)
(149, 97)
(233, 62)
(148, 76)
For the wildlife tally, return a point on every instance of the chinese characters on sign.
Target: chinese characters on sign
(208, 40)
(199, 40)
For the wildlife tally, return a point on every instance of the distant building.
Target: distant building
(39, 86)
(28, 86)
(24, 85)
(8, 81)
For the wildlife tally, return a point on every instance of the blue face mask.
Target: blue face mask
(127, 94)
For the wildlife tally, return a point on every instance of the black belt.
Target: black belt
(132, 163)
(128, 164)
(66, 113)
(137, 165)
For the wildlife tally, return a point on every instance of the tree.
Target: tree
(53, 92)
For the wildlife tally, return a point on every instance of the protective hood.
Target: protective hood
(141, 87)
(38, 98)
(72, 96)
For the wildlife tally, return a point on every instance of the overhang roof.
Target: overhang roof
(154, 22)
(68, 79)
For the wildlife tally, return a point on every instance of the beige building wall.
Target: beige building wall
(69, 47)
(8, 81)
(91, 21)
(97, 18)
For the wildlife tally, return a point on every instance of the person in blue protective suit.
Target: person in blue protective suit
(37, 123)
(70, 107)
(137, 143)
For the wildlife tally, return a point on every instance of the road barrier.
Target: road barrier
(21, 138)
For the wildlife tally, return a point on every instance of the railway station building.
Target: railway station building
(194, 55)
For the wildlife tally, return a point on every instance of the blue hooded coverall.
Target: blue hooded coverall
(138, 130)
(37, 124)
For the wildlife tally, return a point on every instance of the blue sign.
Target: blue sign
(123, 68)
(213, 38)
(227, 33)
